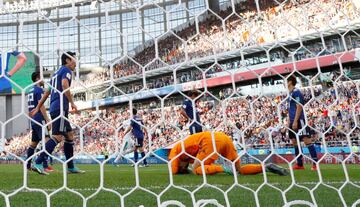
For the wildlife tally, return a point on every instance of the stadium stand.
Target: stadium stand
(319, 112)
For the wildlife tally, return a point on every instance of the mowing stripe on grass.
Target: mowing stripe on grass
(183, 186)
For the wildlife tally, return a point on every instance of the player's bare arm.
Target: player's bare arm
(46, 117)
(67, 93)
(21, 59)
(145, 131)
(127, 130)
(40, 104)
(297, 116)
(196, 164)
(183, 113)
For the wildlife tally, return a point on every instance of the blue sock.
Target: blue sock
(51, 161)
(312, 152)
(45, 163)
(300, 158)
(30, 152)
(142, 156)
(136, 156)
(49, 147)
(69, 152)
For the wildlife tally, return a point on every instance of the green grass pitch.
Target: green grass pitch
(156, 179)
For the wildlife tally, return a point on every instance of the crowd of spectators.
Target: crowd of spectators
(247, 27)
(332, 113)
(18, 144)
(254, 120)
(260, 120)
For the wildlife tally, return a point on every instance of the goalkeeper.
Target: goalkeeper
(200, 146)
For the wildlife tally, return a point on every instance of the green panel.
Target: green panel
(23, 76)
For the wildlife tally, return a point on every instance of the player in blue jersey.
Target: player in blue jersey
(61, 128)
(188, 111)
(297, 124)
(41, 117)
(139, 132)
(5, 84)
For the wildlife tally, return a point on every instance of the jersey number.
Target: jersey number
(31, 100)
(53, 83)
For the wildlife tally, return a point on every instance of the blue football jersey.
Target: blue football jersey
(189, 110)
(34, 97)
(295, 98)
(136, 127)
(56, 83)
(5, 84)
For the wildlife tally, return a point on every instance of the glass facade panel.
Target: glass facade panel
(27, 36)
(111, 38)
(196, 6)
(47, 45)
(177, 15)
(153, 22)
(89, 40)
(131, 30)
(8, 37)
(83, 33)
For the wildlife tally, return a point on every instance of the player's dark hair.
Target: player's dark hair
(238, 125)
(193, 93)
(34, 76)
(66, 56)
(134, 111)
(292, 79)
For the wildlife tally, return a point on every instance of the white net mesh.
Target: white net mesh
(231, 60)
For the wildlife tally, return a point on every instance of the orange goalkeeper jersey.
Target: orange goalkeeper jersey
(201, 146)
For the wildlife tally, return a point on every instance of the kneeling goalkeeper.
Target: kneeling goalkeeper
(200, 146)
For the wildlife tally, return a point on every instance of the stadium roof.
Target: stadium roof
(16, 6)
(232, 54)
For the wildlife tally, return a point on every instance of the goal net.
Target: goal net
(277, 80)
